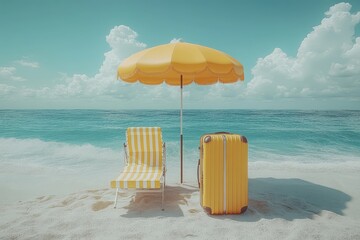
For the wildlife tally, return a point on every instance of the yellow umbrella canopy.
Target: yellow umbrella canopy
(166, 63)
(180, 64)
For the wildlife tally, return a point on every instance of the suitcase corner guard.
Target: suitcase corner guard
(207, 139)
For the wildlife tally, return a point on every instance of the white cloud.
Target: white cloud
(5, 89)
(327, 63)
(176, 40)
(9, 73)
(123, 42)
(26, 63)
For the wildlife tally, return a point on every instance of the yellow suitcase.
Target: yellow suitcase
(223, 173)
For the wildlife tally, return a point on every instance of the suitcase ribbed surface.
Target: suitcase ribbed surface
(224, 173)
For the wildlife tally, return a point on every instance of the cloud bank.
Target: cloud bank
(327, 63)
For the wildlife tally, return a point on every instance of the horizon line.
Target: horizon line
(177, 109)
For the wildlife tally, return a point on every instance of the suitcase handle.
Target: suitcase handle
(198, 168)
(222, 133)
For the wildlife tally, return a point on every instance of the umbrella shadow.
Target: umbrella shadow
(289, 199)
(148, 205)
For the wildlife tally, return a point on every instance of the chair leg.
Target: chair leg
(116, 197)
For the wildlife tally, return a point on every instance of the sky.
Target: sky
(64, 54)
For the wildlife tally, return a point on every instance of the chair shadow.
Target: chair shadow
(289, 199)
(148, 205)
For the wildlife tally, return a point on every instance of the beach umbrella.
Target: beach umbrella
(180, 64)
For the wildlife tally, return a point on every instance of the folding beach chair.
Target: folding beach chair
(145, 160)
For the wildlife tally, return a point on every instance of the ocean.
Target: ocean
(47, 148)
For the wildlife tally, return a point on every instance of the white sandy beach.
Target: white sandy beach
(290, 203)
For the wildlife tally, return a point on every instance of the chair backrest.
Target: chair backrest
(144, 145)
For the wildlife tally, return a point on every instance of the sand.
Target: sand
(287, 203)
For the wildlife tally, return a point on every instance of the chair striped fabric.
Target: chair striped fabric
(144, 146)
(145, 161)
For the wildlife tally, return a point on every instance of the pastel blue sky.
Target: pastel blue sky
(64, 54)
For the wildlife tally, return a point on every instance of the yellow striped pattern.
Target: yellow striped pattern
(144, 146)
(137, 180)
(145, 166)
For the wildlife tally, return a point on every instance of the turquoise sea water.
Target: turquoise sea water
(88, 143)
(324, 135)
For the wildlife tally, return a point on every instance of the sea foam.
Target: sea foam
(31, 154)
(35, 153)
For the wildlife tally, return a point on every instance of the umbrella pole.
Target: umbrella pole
(181, 131)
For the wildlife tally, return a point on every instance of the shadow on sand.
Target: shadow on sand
(289, 199)
(149, 204)
(269, 198)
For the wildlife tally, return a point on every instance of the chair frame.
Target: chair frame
(146, 190)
